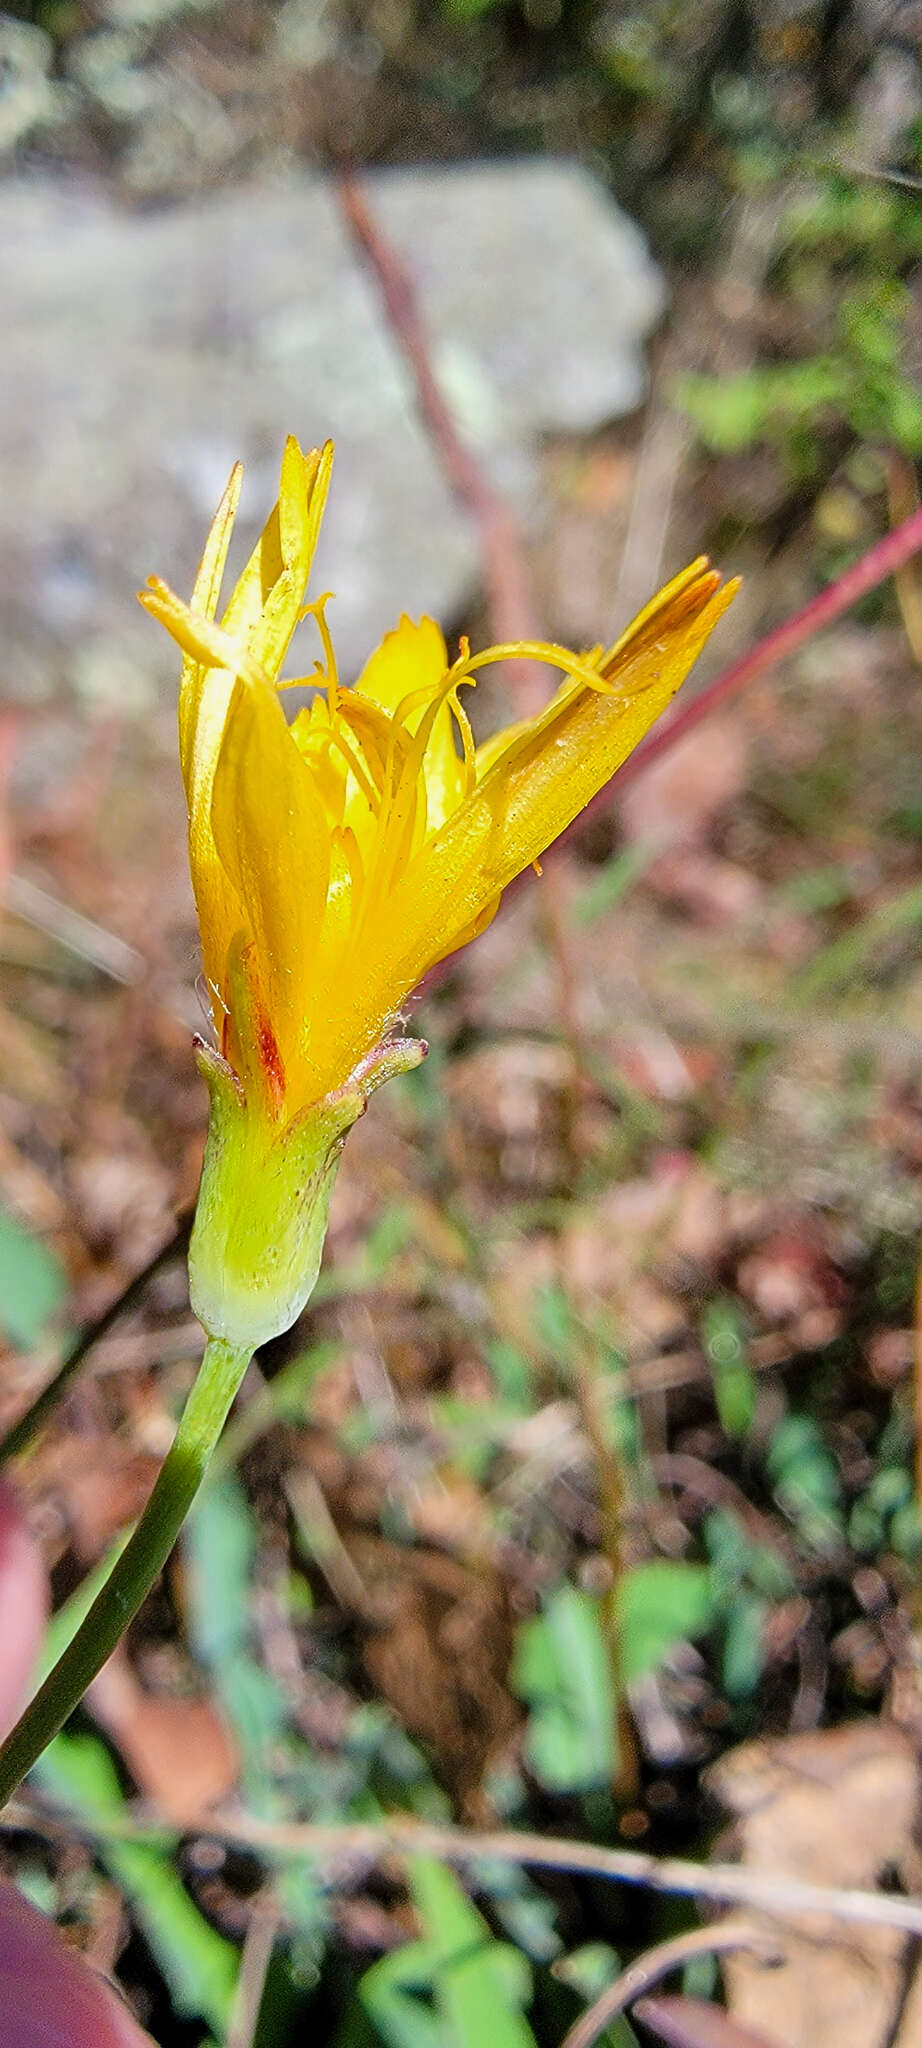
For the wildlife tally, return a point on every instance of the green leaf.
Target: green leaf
(848, 961)
(743, 1657)
(220, 1542)
(199, 1966)
(612, 883)
(479, 1984)
(562, 1668)
(554, 1319)
(723, 1335)
(657, 1605)
(454, 1988)
(806, 1481)
(32, 1284)
(394, 1995)
(589, 1969)
(513, 1372)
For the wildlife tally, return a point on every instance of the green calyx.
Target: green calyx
(264, 1200)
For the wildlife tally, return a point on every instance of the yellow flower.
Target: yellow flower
(337, 858)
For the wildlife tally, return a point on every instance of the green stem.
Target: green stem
(135, 1571)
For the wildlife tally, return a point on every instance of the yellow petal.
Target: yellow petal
(666, 607)
(273, 842)
(267, 600)
(206, 644)
(310, 731)
(173, 612)
(205, 600)
(206, 690)
(414, 658)
(540, 782)
(334, 954)
(207, 588)
(411, 657)
(214, 660)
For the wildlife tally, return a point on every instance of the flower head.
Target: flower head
(336, 858)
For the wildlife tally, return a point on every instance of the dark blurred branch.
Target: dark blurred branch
(507, 583)
(659, 1962)
(376, 1842)
(22, 1432)
(512, 608)
(505, 569)
(872, 569)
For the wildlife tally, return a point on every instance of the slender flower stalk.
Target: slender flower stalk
(137, 1567)
(334, 860)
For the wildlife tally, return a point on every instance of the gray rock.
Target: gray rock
(28, 98)
(140, 354)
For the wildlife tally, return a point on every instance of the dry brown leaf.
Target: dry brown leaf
(832, 1807)
(438, 1650)
(676, 801)
(676, 1213)
(179, 1751)
(102, 1483)
(789, 1275)
(711, 891)
(695, 2023)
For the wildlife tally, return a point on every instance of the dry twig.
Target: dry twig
(254, 1964)
(373, 1843)
(885, 560)
(511, 605)
(656, 1964)
(21, 1433)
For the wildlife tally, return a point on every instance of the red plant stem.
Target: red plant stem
(873, 568)
(509, 598)
(511, 605)
(510, 601)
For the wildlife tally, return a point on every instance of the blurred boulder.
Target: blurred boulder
(140, 354)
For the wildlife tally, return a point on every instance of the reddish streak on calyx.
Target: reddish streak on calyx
(271, 1060)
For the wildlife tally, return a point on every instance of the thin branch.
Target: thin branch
(300, 1841)
(890, 555)
(21, 1433)
(80, 935)
(263, 1927)
(656, 1964)
(511, 605)
(510, 600)
(504, 564)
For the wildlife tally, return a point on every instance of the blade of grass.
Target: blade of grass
(844, 959)
(199, 1966)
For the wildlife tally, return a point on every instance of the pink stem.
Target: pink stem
(873, 568)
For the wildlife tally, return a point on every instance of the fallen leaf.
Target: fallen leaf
(709, 889)
(179, 1751)
(695, 2023)
(789, 1275)
(676, 800)
(833, 1807)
